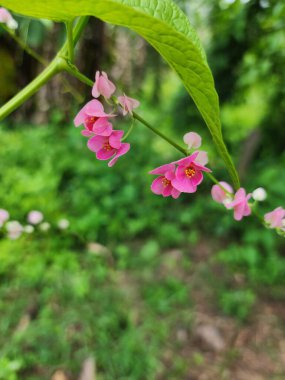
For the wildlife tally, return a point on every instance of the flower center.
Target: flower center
(165, 182)
(107, 147)
(91, 119)
(190, 172)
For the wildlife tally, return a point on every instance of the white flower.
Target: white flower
(63, 224)
(259, 194)
(44, 226)
(35, 217)
(14, 229)
(29, 229)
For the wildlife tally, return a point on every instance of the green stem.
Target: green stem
(72, 70)
(162, 135)
(57, 65)
(69, 31)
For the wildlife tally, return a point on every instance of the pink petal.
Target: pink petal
(102, 127)
(238, 212)
(202, 158)
(95, 108)
(80, 117)
(167, 190)
(175, 193)
(187, 160)
(96, 143)
(161, 170)
(103, 86)
(193, 140)
(87, 133)
(170, 175)
(5, 16)
(199, 167)
(197, 178)
(275, 217)
(95, 90)
(125, 147)
(128, 104)
(182, 182)
(115, 139)
(157, 186)
(218, 194)
(105, 154)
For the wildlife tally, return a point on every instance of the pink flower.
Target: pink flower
(240, 204)
(6, 18)
(103, 86)
(193, 140)
(128, 104)
(275, 218)
(188, 174)
(35, 217)
(94, 118)
(4, 216)
(219, 195)
(163, 184)
(107, 147)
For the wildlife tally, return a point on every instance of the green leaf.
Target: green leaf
(166, 28)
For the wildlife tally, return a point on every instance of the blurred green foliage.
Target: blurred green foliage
(61, 301)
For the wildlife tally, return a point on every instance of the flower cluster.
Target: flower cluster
(182, 176)
(223, 193)
(7, 18)
(104, 141)
(35, 221)
(174, 178)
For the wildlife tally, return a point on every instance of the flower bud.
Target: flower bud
(259, 194)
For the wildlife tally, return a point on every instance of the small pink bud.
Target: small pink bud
(193, 140)
(219, 195)
(6, 18)
(4, 215)
(103, 86)
(35, 217)
(275, 218)
(128, 104)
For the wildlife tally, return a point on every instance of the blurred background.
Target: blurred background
(139, 287)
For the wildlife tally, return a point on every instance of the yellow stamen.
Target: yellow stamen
(165, 182)
(190, 172)
(107, 147)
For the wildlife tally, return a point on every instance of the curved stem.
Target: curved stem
(162, 135)
(57, 65)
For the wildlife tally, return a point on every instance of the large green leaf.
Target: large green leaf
(166, 28)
